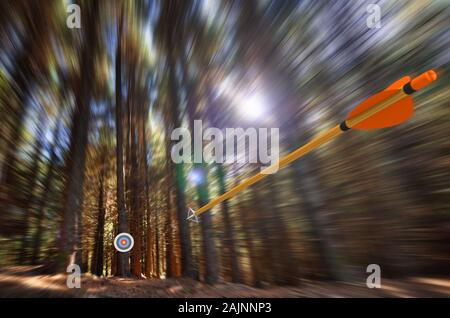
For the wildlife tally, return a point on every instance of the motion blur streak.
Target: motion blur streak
(86, 119)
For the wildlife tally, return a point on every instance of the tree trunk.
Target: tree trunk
(135, 196)
(266, 261)
(170, 271)
(97, 259)
(285, 270)
(149, 260)
(229, 253)
(249, 237)
(308, 186)
(180, 183)
(157, 238)
(123, 264)
(73, 194)
(209, 248)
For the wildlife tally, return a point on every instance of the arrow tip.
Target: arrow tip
(191, 216)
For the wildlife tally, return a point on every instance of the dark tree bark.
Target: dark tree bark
(209, 248)
(97, 259)
(308, 185)
(285, 269)
(157, 239)
(70, 248)
(180, 182)
(249, 237)
(123, 264)
(229, 253)
(135, 196)
(263, 236)
(170, 272)
(149, 260)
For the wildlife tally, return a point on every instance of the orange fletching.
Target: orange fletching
(393, 115)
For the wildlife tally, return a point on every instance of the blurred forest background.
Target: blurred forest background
(86, 118)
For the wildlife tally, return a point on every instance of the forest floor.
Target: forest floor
(27, 281)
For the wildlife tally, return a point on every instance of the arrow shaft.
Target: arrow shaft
(303, 150)
(314, 143)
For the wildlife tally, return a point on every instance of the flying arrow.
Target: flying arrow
(388, 108)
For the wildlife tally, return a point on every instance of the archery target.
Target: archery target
(123, 242)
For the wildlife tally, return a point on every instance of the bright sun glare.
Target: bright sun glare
(252, 107)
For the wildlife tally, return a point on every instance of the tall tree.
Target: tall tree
(167, 31)
(70, 249)
(229, 254)
(98, 253)
(123, 264)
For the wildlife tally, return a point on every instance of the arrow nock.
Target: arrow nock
(191, 216)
